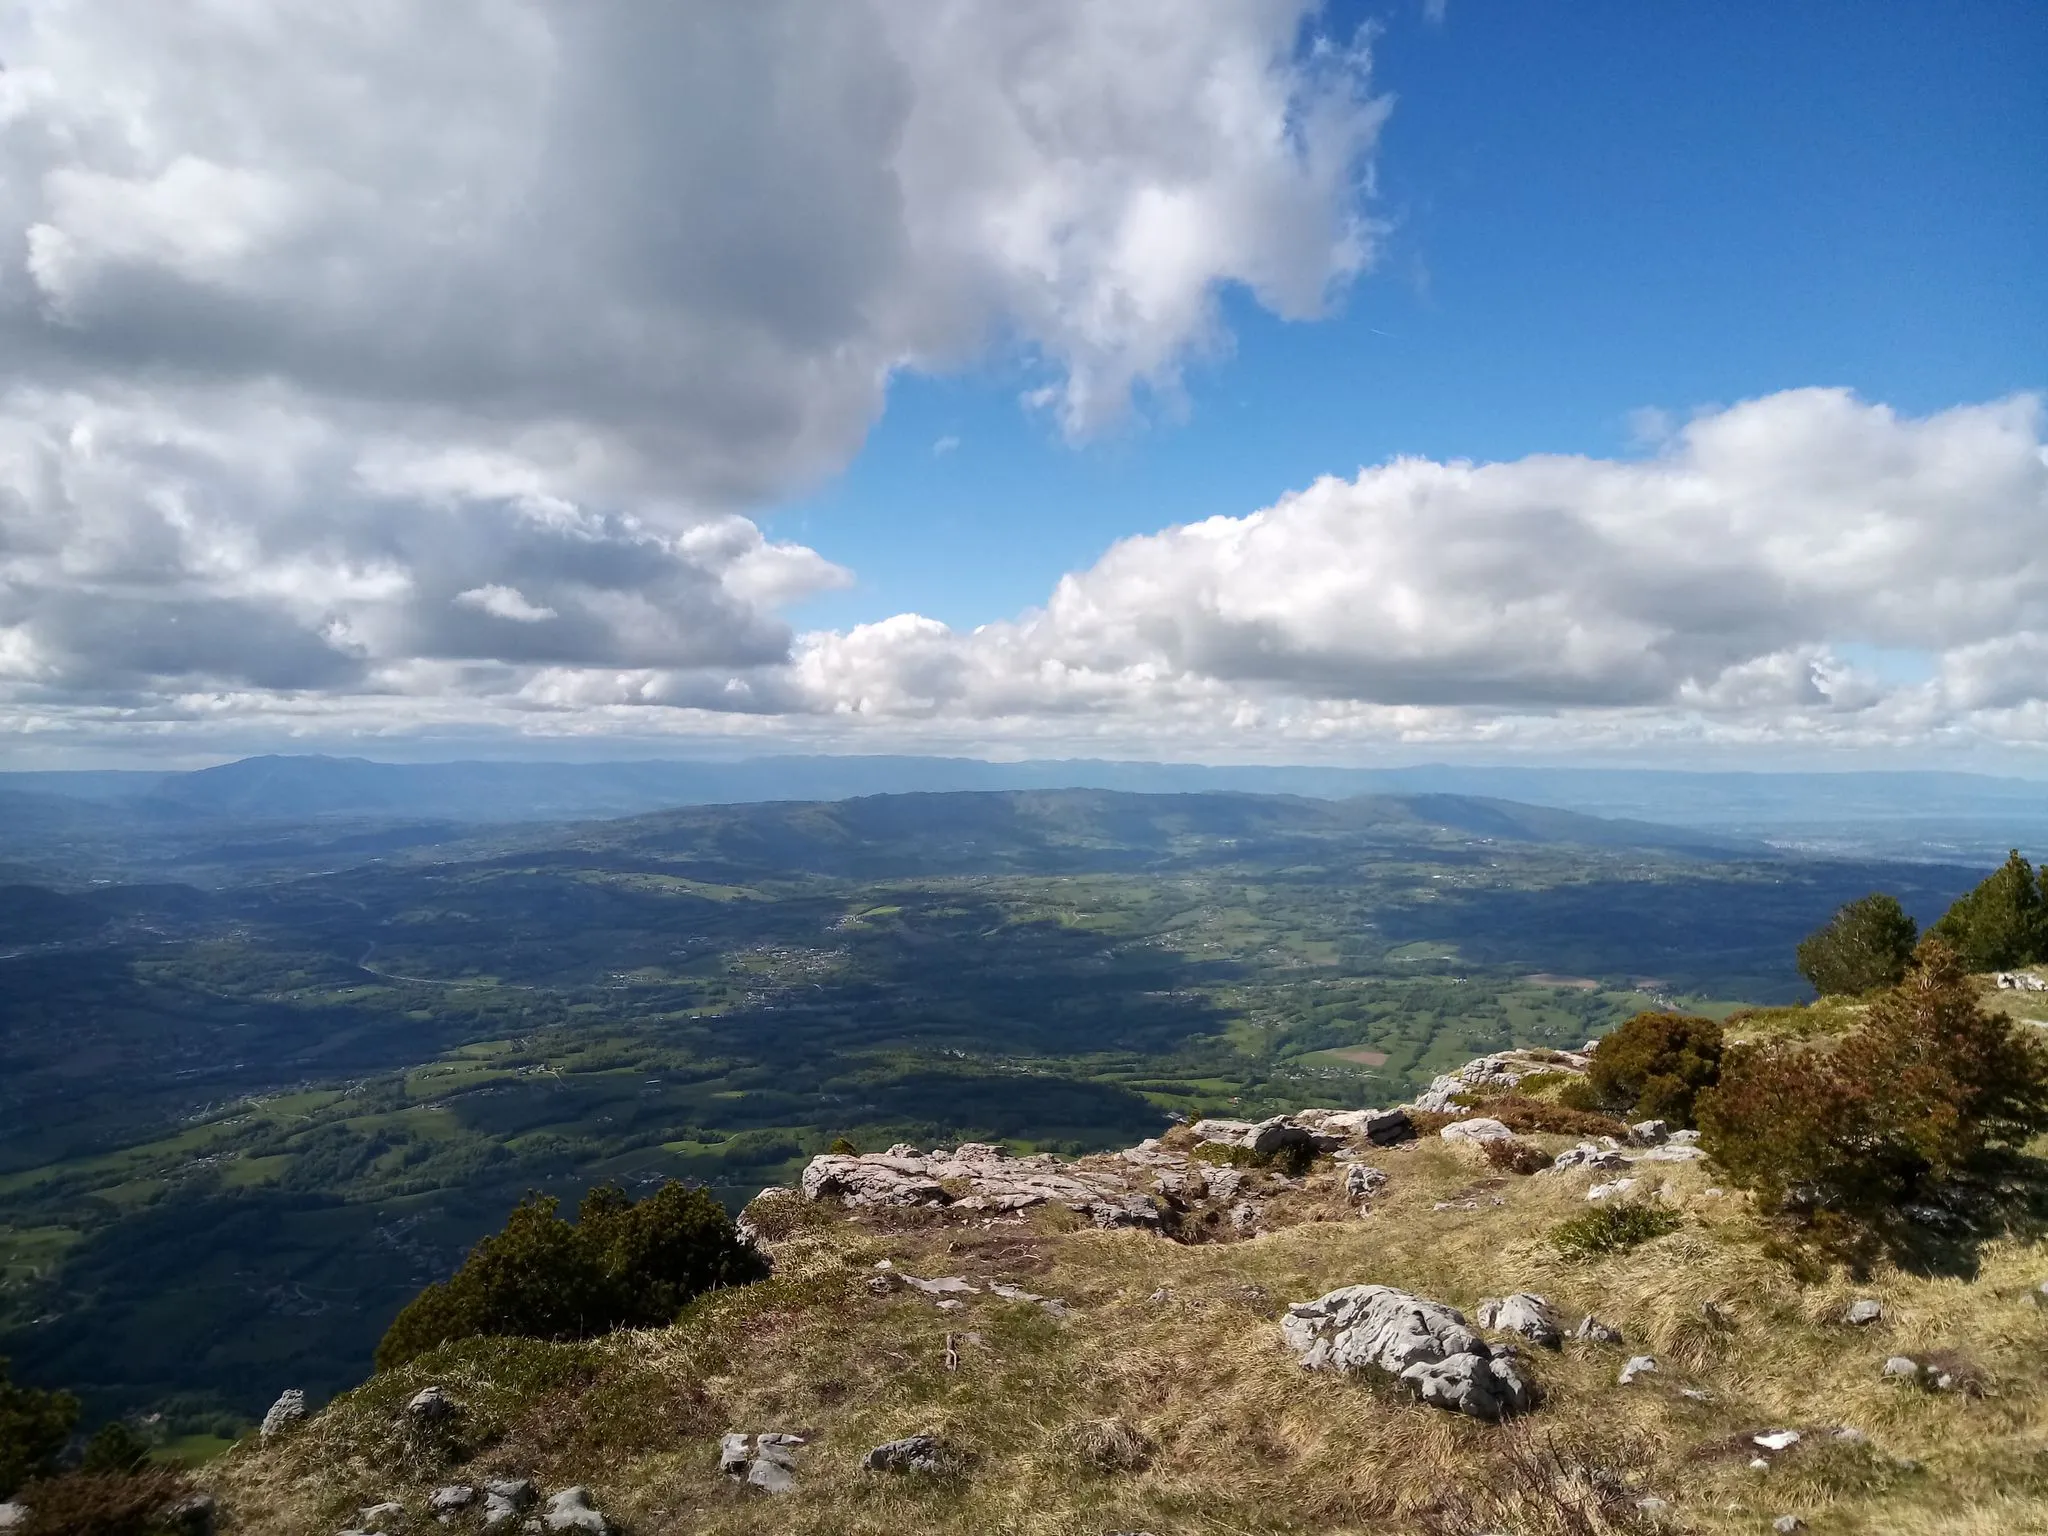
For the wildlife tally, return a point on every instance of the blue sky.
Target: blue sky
(1580, 382)
(1589, 210)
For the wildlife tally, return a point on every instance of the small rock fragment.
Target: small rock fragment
(1777, 1439)
(1479, 1128)
(1865, 1310)
(1362, 1181)
(1785, 1525)
(1649, 1133)
(382, 1517)
(571, 1510)
(13, 1516)
(429, 1404)
(1593, 1331)
(1608, 1191)
(450, 1499)
(1638, 1365)
(1524, 1313)
(505, 1499)
(913, 1453)
(1902, 1367)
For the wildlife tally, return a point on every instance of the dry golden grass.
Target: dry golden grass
(1164, 1400)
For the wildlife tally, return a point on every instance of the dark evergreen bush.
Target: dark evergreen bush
(1864, 947)
(621, 1265)
(33, 1428)
(1654, 1065)
(2003, 922)
(1924, 1089)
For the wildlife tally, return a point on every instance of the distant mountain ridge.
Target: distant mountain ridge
(1934, 815)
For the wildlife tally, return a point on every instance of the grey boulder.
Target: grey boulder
(1489, 1387)
(1362, 1181)
(429, 1404)
(451, 1500)
(287, 1411)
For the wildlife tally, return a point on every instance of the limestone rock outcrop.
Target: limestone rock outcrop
(1424, 1344)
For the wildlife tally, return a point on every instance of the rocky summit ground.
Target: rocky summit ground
(1325, 1323)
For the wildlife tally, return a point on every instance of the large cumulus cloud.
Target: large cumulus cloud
(1728, 583)
(395, 347)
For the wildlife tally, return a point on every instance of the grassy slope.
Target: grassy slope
(1170, 1363)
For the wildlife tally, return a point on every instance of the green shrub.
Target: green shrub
(33, 1428)
(1865, 947)
(1612, 1229)
(2003, 922)
(621, 1265)
(115, 1448)
(109, 1504)
(1544, 1117)
(1924, 1088)
(1654, 1066)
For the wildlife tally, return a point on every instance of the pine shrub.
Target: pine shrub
(1924, 1089)
(34, 1426)
(1614, 1228)
(2003, 922)
(1653, 1067)
(621, 1265)
(1865, 947)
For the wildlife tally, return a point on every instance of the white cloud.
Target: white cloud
(1711, 585)
(344, 345)
(505, 603)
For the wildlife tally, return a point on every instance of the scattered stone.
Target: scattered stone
(1224, 1183)
(735, 1451)
(1479, 1128)
(1777, 1439)
(1588, 1154)
(1244, 1216)
(1712, 1192)
(1593, 1331)
(288, 1411)
(1424, 1344)
(1696, 1394)
(571, 1510)
(1865, 1310)
(1649, 1133)
(190, 1516)
(1609, 1191)
(774, 1467)
(1524, 1313)
(446, 1502)
(506, 1499)
(383, 1517)
(1848, 1435)
(1901, 1367)
(1785, 1525)
(429, 1404)
(1672, 1152)
(13, 1516)
(1381, 1127)
(1759, 1465)
(2020, 981)
(913, 1453)
(1685, 1138)
(1362, 1181)
(1638, 1365)
(947, 1285)
(952, 1304)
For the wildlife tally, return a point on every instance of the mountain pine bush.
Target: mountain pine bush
(1864, 947)
(1927, 1087)
(1653, 1067)
(2003, 922)
(34, 1426)
(621, 1265)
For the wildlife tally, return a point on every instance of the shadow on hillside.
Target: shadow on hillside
(1946, 1232)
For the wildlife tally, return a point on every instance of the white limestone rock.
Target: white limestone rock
(1422, 1343)
(287, 1412)
(1523, 1313)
